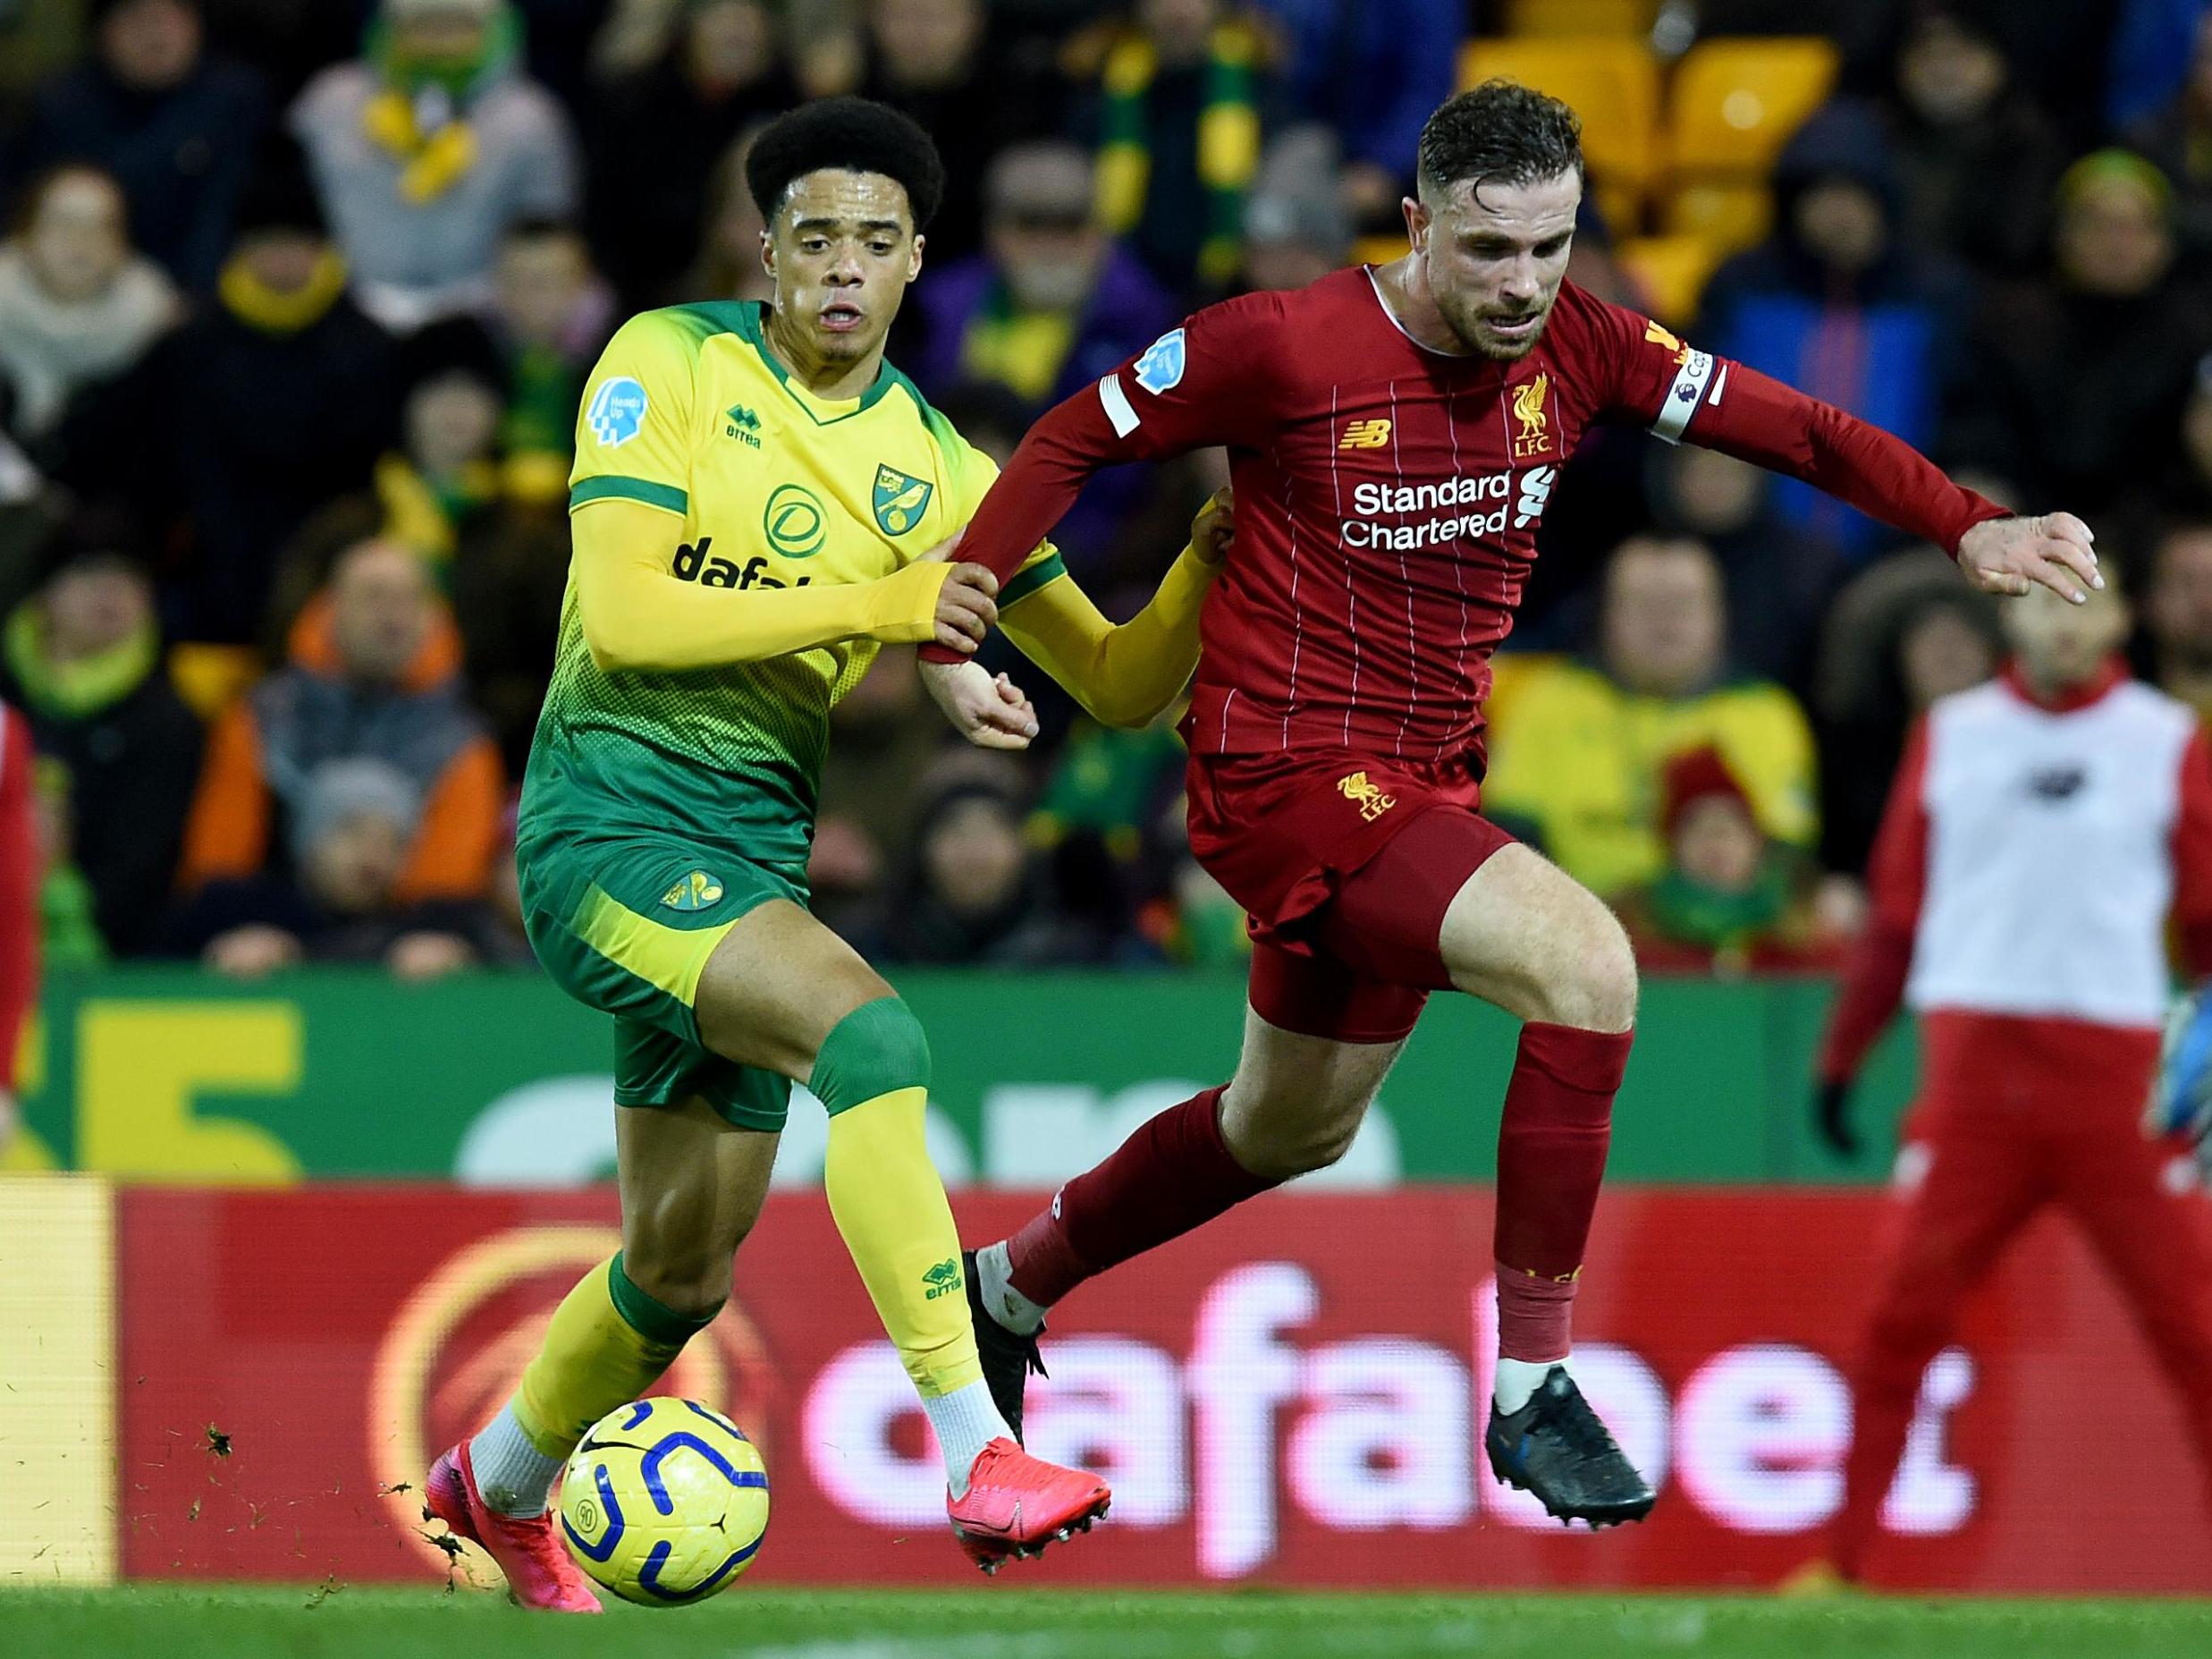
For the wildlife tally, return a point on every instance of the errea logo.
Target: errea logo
(742, 424)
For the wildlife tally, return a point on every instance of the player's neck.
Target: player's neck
(1403, 287)
(831, 380)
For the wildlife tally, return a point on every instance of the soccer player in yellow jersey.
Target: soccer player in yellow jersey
(759, 503)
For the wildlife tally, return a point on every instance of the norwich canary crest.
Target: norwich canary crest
(900, 500)
(695, 892)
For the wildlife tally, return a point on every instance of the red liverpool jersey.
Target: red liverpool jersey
(1387, 495)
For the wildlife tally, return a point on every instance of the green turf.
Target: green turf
(227, 1623)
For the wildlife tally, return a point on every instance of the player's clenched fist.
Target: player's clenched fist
(966, 607)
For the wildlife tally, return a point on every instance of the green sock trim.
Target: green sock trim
(655, 1320)
(877, 1049)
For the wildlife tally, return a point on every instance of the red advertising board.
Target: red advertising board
(1292, 1397)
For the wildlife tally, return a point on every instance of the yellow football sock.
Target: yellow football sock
(890, 1207)
(608, 1341)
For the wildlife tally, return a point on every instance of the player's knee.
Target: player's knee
(877, 1049)
(1587, 978)
(1280, 1140)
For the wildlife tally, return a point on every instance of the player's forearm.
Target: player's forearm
(1123, 676)
(1041, 482)
(1758, 418)
(637, 616)
(1871, 993)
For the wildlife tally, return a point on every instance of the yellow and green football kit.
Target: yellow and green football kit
(743, 548)
(663, 802)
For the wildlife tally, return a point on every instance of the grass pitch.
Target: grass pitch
(345, 1623)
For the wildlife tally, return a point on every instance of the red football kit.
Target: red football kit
(2036, 857)
(1387, 500)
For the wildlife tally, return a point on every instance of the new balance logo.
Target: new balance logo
(1366, 434)
(696, 564)
(942, 1280)
(744, 425)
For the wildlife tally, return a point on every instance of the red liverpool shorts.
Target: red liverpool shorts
(1346, 865)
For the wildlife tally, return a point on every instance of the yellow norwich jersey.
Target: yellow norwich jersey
(764, 485)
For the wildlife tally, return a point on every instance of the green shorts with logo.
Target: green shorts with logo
(624, 923)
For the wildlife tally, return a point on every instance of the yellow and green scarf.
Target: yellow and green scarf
(275, 310)
(1229, 139)
(418, 117)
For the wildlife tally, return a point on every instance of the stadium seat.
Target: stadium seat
(1613, 86)
(1736, 102)
(1554, 18)
(1671, 271)
(1379, 249)
(210, 677)
(1730, 214)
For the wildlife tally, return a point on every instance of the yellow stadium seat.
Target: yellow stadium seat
(1735, 102)
(1379, 249)
(1730, 214)
(1671, 271)
(210, 677)
(1579, 17)
(1611, 83)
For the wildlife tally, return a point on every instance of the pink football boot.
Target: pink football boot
(541, 1573)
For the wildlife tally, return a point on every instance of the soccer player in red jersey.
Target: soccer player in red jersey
(1394, 433)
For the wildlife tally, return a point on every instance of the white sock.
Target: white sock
(995, 1267)
(515, 1478)
(1518, 1380)
(966, 1421)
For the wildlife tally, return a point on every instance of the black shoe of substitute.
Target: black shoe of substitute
(1007, 1358)
(1556, 1447)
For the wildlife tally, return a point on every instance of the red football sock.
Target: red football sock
(1551, 1146)
(1175, 1173)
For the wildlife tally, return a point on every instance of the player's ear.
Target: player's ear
(914, 256)
(1417, 221)
(768, 252)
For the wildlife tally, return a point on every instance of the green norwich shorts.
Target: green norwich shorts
(625, 924)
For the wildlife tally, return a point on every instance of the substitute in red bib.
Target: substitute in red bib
(1394, 433)
(2043, 831)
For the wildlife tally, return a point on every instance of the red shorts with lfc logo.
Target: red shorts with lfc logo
(1346, 865)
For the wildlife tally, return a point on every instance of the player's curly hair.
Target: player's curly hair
(854, 133)
(1499, 132)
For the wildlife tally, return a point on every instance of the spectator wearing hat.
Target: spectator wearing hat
(78, 306)
(376, 679)
(174, 125)
(1837, 302)
(2081, 376)
(426, 149)
(261, 409)
(1052, 303)
(1577, 747)
(82, 658)
(655, 133)
(343, 900)
(1731, 899)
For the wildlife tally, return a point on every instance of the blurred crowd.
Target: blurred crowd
(298, 297)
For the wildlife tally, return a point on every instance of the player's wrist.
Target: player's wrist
(903, 606)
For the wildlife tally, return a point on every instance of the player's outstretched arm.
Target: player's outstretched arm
(1126, 675)
(638, 616)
